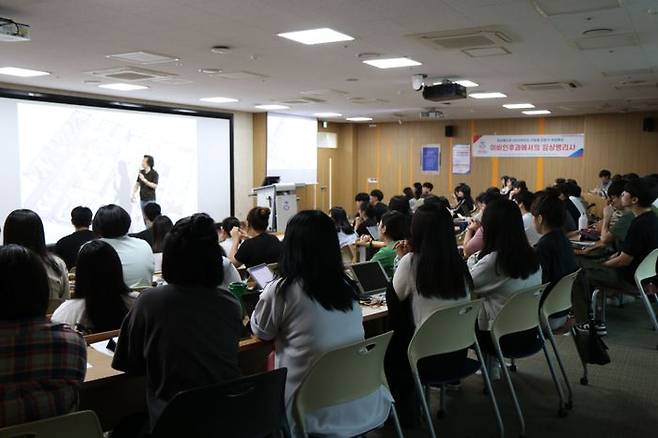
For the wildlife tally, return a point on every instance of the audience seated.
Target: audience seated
(617, 271)
(465, 204)
(524, 200)
(518, 186)
(68, 246)
(346, 235)
(112, 223)
(567, 190)
(474, 236)
(365, 219)
(392, 229)
(359, 200)
(616, 219)
(507, 183)
(160, 228)
(506, 264)
(224, 232)
(24, 227)
(376, 200)
(185, 334)
(258, 246)
(151, 212)
(102, 299)
(605, 178)
(312, 308)
(417, 199)
(42, 363)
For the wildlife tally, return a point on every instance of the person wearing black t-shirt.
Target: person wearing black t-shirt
(68, 246)
(257, 245)
(618, 271)
(147, 182)
(376, 200)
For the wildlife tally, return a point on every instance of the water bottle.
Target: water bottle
(582, 222)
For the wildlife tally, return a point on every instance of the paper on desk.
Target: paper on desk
(101, 347)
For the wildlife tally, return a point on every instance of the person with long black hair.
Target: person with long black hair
(465, 203)
(506, 264)
(347, 237)
(310, 309)
(102, 298)
(25, 228)
(161, 227)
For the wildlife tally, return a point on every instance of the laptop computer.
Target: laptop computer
(370, 277)
(262, 274)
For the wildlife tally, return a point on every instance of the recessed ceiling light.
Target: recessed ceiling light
(22, 72)
(466, 83)
(518, 105)
(272, 107)
(123, 87)
(536, 112)
(327, 115)
(492, 95)
(184, 110)
(359, 119)
(218, 99)
(210, 71)
(316, 36)
(392, 62)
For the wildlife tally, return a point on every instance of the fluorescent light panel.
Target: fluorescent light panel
(218, 99)
(22, 72)
(327, 115)
(536, 112)
(272, 107)
(518, 105)
(466, 83)
(311, 37)
(123, 87)
(359, 119)
(491, 95)
(392, 62)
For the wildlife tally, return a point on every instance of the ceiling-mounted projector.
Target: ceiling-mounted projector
(444, 91)
(10, 31)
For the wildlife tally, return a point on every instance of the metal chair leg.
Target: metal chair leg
(551, 339)
(424, 405)
(510, 386)
(487, 383)
(595, 297)
(396, 422)
(561, 409)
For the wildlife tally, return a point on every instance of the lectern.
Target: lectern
(281, 199)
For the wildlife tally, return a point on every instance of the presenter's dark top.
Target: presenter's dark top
(180, 338)
(145, 192)
(264, 248)
(67, 247)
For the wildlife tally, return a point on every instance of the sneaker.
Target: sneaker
(600, 327)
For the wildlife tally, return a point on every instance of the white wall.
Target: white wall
(243, 149)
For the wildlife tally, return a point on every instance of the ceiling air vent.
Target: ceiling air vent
(464, 39)
(131, 74)
(635, 84)
(302, 100)
(239, 75)
(548, 86)
(144, 58)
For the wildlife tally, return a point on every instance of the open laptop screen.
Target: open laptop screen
(371, 277)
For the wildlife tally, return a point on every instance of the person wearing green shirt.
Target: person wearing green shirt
(391, 230)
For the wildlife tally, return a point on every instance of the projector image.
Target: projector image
(10, 31)
(444, 91)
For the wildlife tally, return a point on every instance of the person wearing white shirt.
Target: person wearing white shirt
(524, 200)
(347, 237)
(112, 224)
(312, 309)
(102, 299)
(224, 233)
(506, 264)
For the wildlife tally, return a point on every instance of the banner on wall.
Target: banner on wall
(430, 158)
(461, 159)
(535, 145)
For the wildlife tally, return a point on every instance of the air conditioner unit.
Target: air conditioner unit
(131, 74)
(548, 86)
(459, 40)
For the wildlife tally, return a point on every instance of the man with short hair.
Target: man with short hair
(184, 334)
(616, 219)
(147, 182)
(68, 246)
(376, 198)
(151, 211)
(606, 178)
(112, 223)
(618, 271)
(427, 189)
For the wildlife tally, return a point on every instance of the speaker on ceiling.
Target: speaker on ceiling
(649, 124)
(450, 130)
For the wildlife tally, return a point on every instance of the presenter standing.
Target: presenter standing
(147, 182)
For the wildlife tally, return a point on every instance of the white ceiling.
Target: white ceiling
(71, 37)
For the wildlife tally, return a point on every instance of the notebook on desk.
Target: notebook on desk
(370, 277)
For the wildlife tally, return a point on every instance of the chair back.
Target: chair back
(82, 424)
(446, 330)
(251, 406)
(341, 375)
(646, 269)
(559, 298)
(520, 312)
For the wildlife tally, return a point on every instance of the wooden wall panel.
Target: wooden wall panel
(390, 152)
